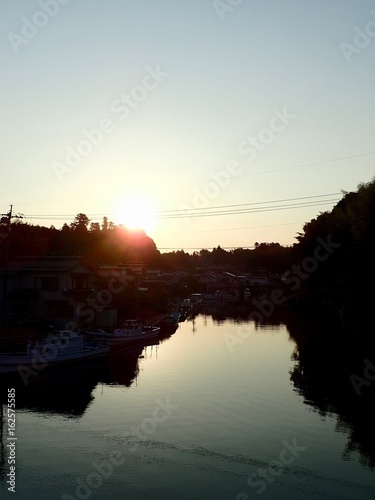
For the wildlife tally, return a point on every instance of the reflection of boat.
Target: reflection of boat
(168, 324)
(67, 389)
(167, 331)
(123, 360)
(59, 347)
(61, 389)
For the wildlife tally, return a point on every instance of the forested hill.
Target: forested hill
(99, 243)
(107, 243)
(343, 282)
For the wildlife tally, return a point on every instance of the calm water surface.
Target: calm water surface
(212, 412)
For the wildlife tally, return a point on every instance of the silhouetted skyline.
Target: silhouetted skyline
(187, 106)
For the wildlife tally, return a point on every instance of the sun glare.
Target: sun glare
(136, 212)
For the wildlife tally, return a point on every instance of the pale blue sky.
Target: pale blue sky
(222, 80)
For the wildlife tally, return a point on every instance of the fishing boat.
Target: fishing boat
(133, 330)
(59, 347)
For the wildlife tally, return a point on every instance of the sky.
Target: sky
(205, 122)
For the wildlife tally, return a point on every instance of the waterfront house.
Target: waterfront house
(46, 288)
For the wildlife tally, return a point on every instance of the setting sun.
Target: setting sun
(136, 212)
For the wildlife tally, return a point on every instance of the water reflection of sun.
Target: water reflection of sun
(136, 212)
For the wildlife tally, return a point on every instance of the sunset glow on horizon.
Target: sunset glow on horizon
(136, 212)
(192, 108)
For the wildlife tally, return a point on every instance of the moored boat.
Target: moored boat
(59, 347)
(170, 319)
(133, 330)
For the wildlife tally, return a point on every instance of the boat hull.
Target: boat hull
(13, 363)
(139, 337)
(132, 331)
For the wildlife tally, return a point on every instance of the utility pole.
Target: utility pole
(6, 220)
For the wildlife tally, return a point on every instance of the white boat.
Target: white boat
(133, 330)
(59, 347)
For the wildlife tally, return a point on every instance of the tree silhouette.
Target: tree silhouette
(80, 223)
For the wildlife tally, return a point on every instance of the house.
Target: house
(123, 274)
(158, 278)
(211, 281)
(56, 288)
(136, 266)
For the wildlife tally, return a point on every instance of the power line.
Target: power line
(218, 210)
(206, 248)
(304, 165)
(252, 211)
(254, 203)
(240, 228)
(323, 162)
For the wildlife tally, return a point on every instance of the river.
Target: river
(221, 408)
